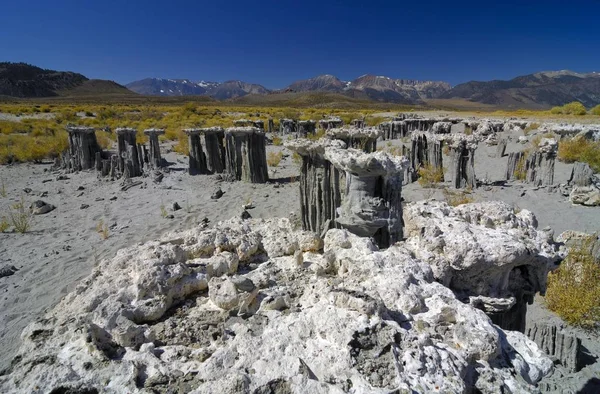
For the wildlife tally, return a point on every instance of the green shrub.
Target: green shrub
(457, 197)
(595, 110)
(574, 288)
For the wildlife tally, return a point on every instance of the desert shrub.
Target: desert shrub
(273, 159)
(20, 216)
(468, 130)
(582, 150)
(102, 229)
(457, 197)
(277, 141)
(430, 176)
(520, 171)
(572, 108)
(2, 188)
(574, 288)
(4, 225)
(374, 120)
(595, 110)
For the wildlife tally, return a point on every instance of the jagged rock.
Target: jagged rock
(585, 195)
(363, 138)
(372, 203)
(462, 148)
(288, 126)
(197, 158)
(40, 207)
(552, 341)
(484, 249)
(83, 147)
(176, 206)
(379, 322)
(581, 175)
(306, 127)
(7, 270)
(426, 150)
(155, 159)
(245, 154)
(129, 160)
(320, 193)
(540, 164)
(330, 123)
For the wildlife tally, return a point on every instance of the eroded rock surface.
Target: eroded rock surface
(280, 311)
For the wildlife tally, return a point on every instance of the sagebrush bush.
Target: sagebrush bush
(572, 108)
(277, 141)
(574, 288)
(582, 150)
(595, 110)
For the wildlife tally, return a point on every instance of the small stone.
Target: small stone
(113, 198)
(81, 188)
(217, 194)
(44, 194)
(176, 206)
(27, 190)
(40, 207)
(245, 215)
(170, 217)
(84, 206)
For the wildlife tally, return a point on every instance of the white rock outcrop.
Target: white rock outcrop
(279, 311)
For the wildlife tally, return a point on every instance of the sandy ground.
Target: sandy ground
(63, 245)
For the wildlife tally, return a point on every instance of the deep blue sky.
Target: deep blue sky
(276, 42)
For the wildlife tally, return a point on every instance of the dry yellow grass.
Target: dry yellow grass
(582, 150)
(574, 289)
(273, 159)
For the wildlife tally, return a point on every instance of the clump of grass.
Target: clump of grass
(457, 197)
(595, 110)
(277, 141)
(574, 288)
(430, 176)
(2, 188)
(468, 130)
(20, 216)
(4, 224)
(273, 159)
(102, 229)
(582, 150)
(520, 170)
(163, 211)
(296, 158)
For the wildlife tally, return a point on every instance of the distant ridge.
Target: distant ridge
(24, 80)
(539, 90)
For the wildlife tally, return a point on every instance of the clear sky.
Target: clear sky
(276, 42)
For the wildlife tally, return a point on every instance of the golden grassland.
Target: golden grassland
(35, 130)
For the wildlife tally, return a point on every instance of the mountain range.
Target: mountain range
(536, 91)
(368, 87)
